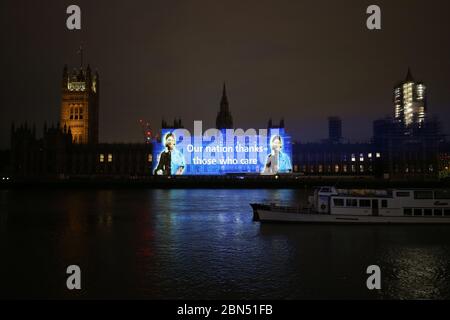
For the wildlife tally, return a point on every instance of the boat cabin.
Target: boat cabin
(388, 202)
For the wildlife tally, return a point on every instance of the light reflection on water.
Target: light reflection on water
(198, 243)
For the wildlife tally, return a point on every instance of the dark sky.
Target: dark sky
(301, 60)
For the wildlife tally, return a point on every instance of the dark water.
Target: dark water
(199, 244)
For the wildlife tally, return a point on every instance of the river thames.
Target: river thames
(203, 244)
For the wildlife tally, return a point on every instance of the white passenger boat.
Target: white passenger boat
(331, 205)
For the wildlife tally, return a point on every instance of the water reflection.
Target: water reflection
(194, 243)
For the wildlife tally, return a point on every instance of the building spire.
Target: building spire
(224, 100)
(224, 120)
(409, 77)
(80, 52)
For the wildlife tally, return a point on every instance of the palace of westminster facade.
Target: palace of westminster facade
(404, 147)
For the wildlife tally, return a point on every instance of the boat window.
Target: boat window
(351, 203)
(423, 194)
(338, 202)
(438, 212)
(446, 212)
(442, 194)
(407, 211)
(427, 212)
(384, 203)
(364, 203)
(402, 194)
(417, 212)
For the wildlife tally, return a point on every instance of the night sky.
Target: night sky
(301, 60)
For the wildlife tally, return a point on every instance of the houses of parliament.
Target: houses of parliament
(80, 91)
(407, 146)
(71, 147)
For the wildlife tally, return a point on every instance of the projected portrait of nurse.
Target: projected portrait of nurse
(171, 160)
(277, 161)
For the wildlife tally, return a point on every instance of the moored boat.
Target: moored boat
(331, 205)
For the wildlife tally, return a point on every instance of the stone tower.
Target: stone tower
(80, 104)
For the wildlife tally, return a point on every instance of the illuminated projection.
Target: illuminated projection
(226, 151)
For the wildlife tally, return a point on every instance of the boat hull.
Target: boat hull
(275, 216)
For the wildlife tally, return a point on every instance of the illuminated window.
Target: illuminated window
(378, 155)
(353, 157)
(102, 157)
(149, 157)
(361, 168)
(109, 157)
(369, 155)
(336, 168)
(361, 157)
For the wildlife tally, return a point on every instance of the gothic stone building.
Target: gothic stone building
(71, 147)
(80, 104)
(56, 154)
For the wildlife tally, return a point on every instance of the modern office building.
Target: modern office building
(410, 102)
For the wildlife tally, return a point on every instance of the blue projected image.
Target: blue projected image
(170, 160)
(277, 161)
(226, 151)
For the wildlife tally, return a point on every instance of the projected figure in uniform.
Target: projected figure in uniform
(171, 160)
(277, 161)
